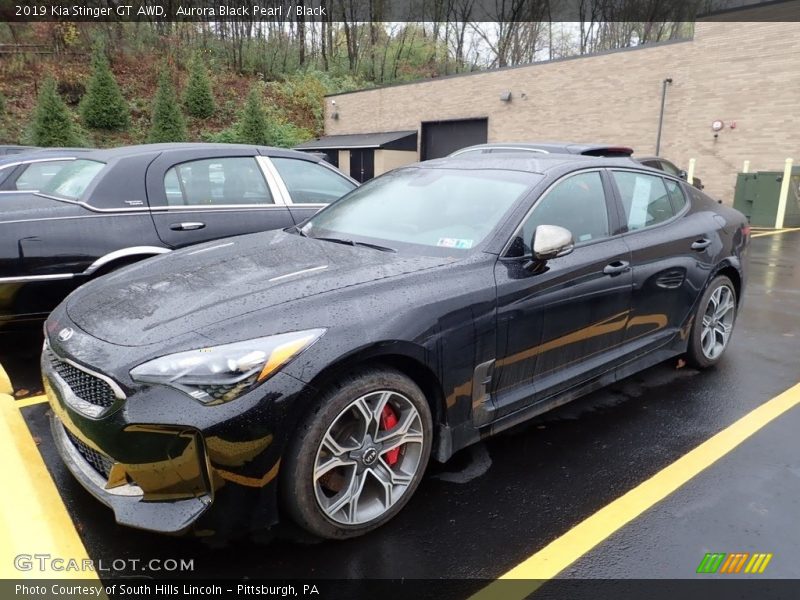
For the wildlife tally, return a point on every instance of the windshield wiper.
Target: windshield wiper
(355, 243)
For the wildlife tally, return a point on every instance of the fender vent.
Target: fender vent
(671, 280)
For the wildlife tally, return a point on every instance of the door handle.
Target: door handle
(617, 267)
(701, 244)
(186, 226)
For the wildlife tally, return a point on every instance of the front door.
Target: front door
(362, 164)
(196, 198)
(563, 324)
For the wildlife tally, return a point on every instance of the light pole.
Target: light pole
(664, 85)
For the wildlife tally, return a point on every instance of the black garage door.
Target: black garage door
(440, 138)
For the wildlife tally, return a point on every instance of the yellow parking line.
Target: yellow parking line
(5, 382)
(31, 401)
(774, 232)
(562, 552)
(33, 519)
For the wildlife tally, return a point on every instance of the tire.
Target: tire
(357, 468)
(704, 351)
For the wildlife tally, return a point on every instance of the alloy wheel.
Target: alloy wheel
(368, 457)
(717, 324)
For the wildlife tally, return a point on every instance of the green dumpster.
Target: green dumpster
(757, 197)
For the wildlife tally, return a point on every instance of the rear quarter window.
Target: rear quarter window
(676, 195)
(644, 199)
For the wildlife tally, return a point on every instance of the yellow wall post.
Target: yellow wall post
(690, 172)
(746, 167)
(784, 195)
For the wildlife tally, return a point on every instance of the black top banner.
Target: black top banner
(354, 11)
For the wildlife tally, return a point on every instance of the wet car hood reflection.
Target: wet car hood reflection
(196, 287)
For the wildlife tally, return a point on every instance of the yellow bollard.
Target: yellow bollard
(690, 172)
(784, 195)
(746, 167)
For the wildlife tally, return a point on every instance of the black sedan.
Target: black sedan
(310, 373)
(87, 213)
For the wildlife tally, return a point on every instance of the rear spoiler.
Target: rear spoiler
(608, 151)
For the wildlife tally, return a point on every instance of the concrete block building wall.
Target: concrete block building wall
(745, 74)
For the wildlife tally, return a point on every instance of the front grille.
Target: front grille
(100, 462)
(85, 386)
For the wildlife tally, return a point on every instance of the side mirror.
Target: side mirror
(551, 241)
(683, 174)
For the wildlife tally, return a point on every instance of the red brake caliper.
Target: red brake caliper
(389, 420)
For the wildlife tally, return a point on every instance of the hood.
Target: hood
(190, 289)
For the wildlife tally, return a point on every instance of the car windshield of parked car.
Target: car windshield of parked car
(444, 208)
(71, 181)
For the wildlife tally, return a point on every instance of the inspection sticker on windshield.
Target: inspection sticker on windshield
(454, 243)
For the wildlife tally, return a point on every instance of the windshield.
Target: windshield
(438, 208)
(71, 181)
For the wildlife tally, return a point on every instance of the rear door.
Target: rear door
(201, 195)
(672, 253)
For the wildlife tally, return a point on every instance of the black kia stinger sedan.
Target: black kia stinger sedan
(83, 214)
(307, 375)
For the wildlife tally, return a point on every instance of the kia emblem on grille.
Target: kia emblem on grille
(65, 334)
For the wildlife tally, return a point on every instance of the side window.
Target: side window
(675, 195)
(216, 181)
(577, 203)
(310, 183)
(644, 198)
(38, 174)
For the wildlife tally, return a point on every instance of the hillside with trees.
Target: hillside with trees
(120, 83)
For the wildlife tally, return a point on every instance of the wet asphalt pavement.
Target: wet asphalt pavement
(497, 503)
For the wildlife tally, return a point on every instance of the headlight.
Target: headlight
(221, 373)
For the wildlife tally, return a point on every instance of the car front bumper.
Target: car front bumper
(165, 463)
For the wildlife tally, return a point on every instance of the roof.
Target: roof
(555, 148)
(387, 139)
(523, 161)
(107, 154)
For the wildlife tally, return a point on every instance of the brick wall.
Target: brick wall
(742, 72)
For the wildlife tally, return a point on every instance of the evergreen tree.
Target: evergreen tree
(167, 123)
(198, 99)
(52, 122)
(103, 106)
(253, 126)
